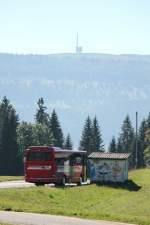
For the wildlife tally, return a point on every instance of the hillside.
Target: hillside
(109, 86)
(129, 202)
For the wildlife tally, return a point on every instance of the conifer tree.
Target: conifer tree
(141, 143)
(147, 149)
(8, 138)
(127, 140)
(68, 142)
(127, 135)
(148, 121)
(86, 137)
(113, 146)
(119, 145)
(41, 116)
(97, 142)
(56, 130)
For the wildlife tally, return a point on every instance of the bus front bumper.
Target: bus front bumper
(44, 180)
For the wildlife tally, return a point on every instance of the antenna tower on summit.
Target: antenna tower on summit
(78, 48)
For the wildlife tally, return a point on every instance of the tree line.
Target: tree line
(126, 142)
(15, 136)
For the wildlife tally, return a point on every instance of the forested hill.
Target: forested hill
(109, 86)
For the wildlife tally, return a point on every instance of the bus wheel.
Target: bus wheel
(63, 181)
(80, 182)
(39, 184)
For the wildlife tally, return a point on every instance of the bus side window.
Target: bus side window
(76, 160)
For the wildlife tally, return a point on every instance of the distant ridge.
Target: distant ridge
(74, 54)
(77, 85)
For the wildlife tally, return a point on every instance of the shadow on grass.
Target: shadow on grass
(128, 185)
(66, 186)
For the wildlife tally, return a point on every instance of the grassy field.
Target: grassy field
(129, 203)
(10, 178)
(4, 224)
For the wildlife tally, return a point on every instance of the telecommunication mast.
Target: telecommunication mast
(78, 48)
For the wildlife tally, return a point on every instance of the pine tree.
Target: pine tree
(148, 121)
(68, 142)
(8, 138)
(127, 135)
(86, 137)
(141, 143)
(41, 116)
(113, 146)
(97, 142)
(127, 140)
(56, 130)
(14, 150)
(119, 145)
(147, 149)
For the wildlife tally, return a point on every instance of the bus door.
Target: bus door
(62, 165)
(84, 167)
(76, 167)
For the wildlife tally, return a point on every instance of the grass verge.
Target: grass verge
(118, 203)
(5, 224)
(10, 178)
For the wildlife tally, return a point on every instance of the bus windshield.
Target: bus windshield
(39, 156)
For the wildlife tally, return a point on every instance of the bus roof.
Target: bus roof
(55, 149)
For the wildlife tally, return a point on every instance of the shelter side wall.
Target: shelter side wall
(126, 170)
(103, 170)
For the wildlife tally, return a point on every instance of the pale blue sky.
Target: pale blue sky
(50, 26)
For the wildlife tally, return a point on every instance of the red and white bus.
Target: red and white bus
(44, 165)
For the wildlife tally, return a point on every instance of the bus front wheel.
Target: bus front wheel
(80, 181)
(39, 184)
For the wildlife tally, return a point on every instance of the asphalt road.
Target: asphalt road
(15, 184)
(20, 218)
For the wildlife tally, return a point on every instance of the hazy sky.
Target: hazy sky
(50, 26)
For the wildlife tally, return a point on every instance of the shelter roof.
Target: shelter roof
(107, 155)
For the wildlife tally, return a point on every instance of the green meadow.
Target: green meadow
(10, 178)
(127, 203)
(4, 224)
